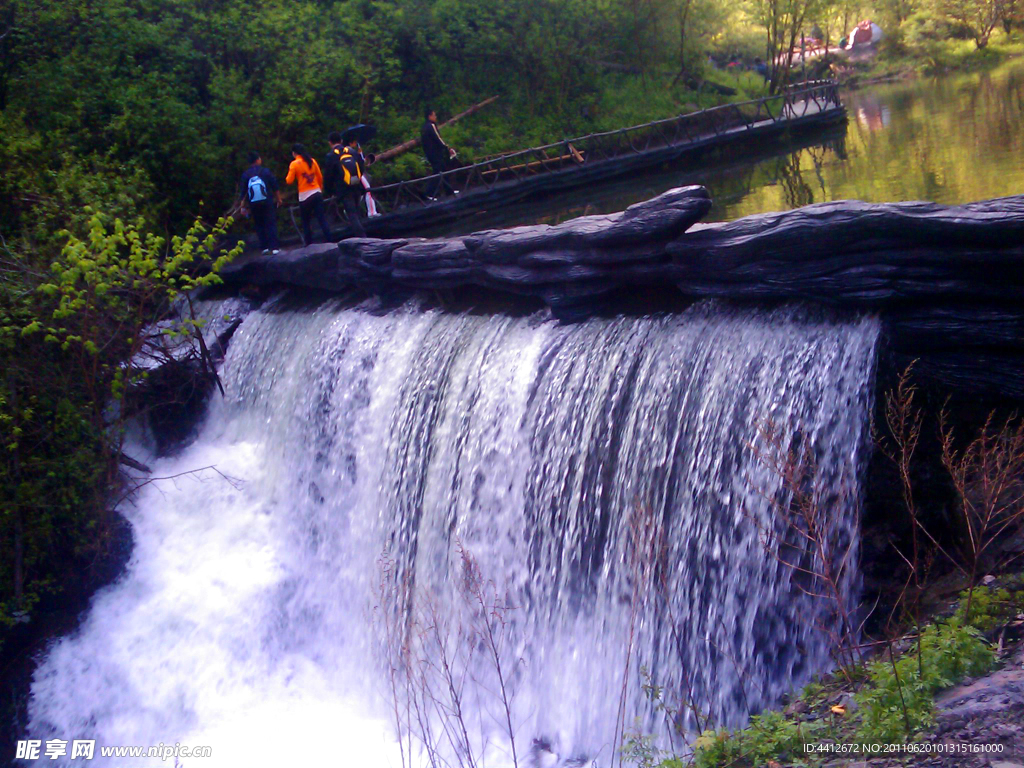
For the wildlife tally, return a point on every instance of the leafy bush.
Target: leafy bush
(897, 702)
(926, 35)
(924, 26)
(68, 333)
(770, 736)
(989, 607)
(893, 706)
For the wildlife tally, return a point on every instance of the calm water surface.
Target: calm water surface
(950, 140)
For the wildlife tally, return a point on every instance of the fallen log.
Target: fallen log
(412, 143)
(135, 464)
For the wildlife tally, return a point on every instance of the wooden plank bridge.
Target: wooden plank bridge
(491, 182)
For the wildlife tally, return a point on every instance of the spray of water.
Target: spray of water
(245, 618)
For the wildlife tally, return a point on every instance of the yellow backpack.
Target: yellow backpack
(351, 172)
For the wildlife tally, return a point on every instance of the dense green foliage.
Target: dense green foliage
(151, 105)
(165, 98)
(895, 704)
(987, 608)
(769, 736)
(66, 333)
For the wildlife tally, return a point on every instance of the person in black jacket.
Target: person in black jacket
(261, 198)
(438, 153)
(347, 195)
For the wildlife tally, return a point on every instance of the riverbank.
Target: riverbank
(966, 144)
(905, 59)
(949, 696)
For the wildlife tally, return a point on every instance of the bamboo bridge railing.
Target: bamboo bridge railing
(793, 103)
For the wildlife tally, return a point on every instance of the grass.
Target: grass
(935, 57)
(891, 698)
(991, 607)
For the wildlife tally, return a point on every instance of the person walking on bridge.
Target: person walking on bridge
(257, 185)
(344, 166)
(305, 172)
(439, 154)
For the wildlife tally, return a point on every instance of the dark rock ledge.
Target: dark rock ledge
(947, 281)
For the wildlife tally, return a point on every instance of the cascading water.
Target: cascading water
(246, 618)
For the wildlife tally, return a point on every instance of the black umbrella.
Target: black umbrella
(361, 133)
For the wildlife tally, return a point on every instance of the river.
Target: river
(949, 140)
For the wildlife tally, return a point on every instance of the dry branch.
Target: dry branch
(988, 475)
(804, 515)
(395, 151)
(432, 649)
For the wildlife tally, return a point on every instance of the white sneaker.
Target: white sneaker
(431, 199)
(455, 191)
(266, 251)
(276, 251)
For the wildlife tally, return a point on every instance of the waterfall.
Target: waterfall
(351, 437)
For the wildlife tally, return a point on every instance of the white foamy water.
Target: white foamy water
(243, 621)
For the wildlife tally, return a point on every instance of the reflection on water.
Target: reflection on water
(949, 140)
(872, 113)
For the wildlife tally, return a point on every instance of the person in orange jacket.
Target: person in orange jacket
(305, 172)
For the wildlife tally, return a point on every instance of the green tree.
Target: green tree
(782, 22)
(980, 16)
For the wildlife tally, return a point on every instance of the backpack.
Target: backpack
(257, 190)
(351, 173)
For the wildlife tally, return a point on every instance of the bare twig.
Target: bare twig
(436, 655)
(233, 482)
(803, 514)
(988, 475)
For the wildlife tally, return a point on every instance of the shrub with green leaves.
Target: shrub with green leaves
(926, 35)
(898, 701)
(68, 333)
(989, 607)
(895, 704)
(769, 736)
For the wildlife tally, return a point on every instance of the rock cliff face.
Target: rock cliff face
(948, 281)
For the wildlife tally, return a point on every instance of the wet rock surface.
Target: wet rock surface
(986, 713)
(586, 257)
(948, 281)
(181, 369)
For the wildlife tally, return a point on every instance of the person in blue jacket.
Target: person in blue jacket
(261, 198)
